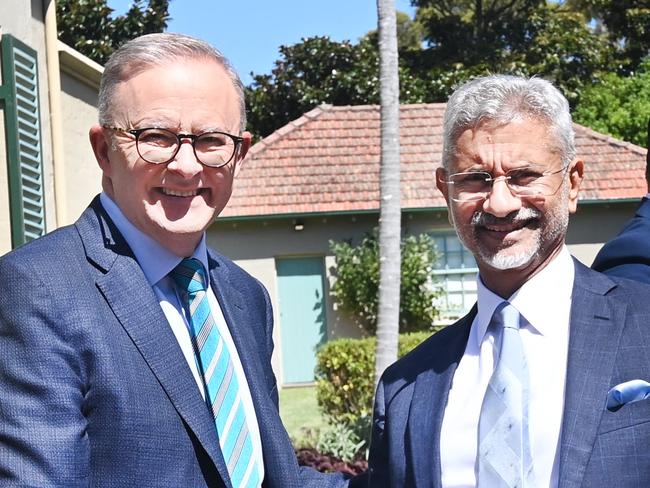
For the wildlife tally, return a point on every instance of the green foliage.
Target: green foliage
(626, 24)
(314, 71)
(345, 384)
(618, 105)
(474, 31)
(319, 70)
(88, 26)
(341, 441)
(356, 289)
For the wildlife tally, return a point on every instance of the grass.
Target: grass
(300, 413)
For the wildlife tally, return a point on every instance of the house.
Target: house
(317, 179)
(48, 101)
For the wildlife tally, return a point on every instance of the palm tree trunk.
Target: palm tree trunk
(390, 205)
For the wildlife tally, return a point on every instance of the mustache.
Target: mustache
(481, 218)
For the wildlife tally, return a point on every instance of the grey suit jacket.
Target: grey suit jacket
(609, 343)
(94, 387)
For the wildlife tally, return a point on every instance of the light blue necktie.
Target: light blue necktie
(222, 388)
(503, 456)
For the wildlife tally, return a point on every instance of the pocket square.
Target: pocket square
(628, 392)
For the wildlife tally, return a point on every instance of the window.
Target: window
(456, 269)
(19, 93)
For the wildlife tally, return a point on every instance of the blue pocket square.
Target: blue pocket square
(628, 392)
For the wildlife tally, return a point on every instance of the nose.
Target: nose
(500, 201)
(185, 163)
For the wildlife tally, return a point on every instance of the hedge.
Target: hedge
(345, 384)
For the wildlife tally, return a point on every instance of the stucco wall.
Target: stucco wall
(25, 21)
(595, 224)
(79, 113)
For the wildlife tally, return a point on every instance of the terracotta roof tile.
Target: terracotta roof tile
(328, 161)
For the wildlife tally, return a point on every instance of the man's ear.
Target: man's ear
(576, 173)
(441, 179)
(101, 146)
(243, 149)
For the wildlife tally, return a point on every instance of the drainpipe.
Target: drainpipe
(56, 119)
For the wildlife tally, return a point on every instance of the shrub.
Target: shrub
(345, 379)
(341, 441)
(356, 289)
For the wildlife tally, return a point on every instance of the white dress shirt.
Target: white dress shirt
(156, 263)
(544, 303)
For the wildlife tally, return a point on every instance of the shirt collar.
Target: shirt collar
(544, 301)
(155, 260)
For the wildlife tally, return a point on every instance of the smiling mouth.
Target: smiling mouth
(504, 228)
(179, 193)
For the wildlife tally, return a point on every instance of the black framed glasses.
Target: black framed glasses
(160, 146)
(526, 182)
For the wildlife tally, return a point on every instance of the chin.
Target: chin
(502, 261)
(511, 257)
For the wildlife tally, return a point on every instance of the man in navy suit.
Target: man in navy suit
(628, 254)
(516, 392)
(118, 366)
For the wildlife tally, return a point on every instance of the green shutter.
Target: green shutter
(23, 135)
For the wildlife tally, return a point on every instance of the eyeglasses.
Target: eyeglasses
(159, 146)
(523, 182)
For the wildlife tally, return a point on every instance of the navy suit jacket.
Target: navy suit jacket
(628, 254)
(609, 343)
(94, 388)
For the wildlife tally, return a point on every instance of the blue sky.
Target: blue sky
(249, 32)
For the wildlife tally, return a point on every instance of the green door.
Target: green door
(302, 316)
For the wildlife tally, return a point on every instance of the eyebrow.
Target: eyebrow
(174, 127)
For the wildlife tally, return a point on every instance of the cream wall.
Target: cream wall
(25, 21)
(79, 88)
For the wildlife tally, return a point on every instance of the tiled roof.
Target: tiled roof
(328, 161)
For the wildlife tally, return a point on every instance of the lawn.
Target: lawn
(300, 413)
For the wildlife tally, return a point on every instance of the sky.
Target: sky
(249, 32)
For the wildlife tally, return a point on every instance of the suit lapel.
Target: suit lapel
(595, 330)
(427, 408)
(136, 307)
(243, 331)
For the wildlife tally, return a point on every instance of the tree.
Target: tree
(319, 70)
(626, 24)
(618, 105)
(464, 39)
(390, 206)
(88, 26)
(314, 71)
(474, 31)
(356, 289)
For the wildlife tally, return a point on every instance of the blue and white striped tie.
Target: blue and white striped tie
(504, 459)
(221, 385)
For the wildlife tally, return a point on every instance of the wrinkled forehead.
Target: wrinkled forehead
(492, 146)
(188, 95)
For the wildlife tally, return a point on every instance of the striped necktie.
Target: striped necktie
(504, 459)
(221, 385)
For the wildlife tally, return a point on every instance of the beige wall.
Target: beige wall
(25, 21)
(79, 88)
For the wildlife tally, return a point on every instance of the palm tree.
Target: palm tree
(390, 205)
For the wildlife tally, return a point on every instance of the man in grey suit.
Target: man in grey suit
(131, 354)
(544, 382)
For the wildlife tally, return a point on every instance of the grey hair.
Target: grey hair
(503, 99)
(144, 52)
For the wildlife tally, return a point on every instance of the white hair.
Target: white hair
(502, 99)
(144, 52)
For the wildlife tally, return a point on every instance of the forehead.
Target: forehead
(503, 146)
(184, 93)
